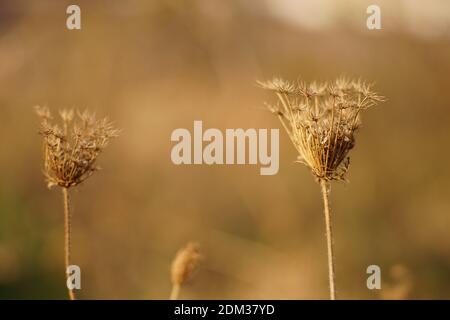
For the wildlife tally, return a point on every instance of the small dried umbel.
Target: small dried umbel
(321, 120)
(183, 266)
(71, 150)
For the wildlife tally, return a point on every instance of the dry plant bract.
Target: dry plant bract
(321, 120)
(70, 150)
(183, 266)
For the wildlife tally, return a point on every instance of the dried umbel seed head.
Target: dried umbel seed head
(71, 148)
(185, 263)
(321, 119)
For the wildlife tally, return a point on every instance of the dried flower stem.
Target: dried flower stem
(330, 243)
(67, 233)
(175, 291)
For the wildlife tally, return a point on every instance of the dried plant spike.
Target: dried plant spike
(183, 266)
(321, 120)
(70, 150)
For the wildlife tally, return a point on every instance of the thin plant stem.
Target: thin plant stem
(329, 232)
(175, 292)
(67, 231)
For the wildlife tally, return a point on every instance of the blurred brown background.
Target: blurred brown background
(154, 66)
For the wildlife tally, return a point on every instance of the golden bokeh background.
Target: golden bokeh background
(154, 66)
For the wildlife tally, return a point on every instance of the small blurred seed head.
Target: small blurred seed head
(185, 263)
(321, 120)
(400, 285)
(71, 148)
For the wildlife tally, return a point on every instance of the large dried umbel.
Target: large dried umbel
(71, 150)
(321, 119)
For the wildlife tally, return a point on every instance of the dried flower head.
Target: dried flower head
(185, 263)
(321, 119)
(71, 150)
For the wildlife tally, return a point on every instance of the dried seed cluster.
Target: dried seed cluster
(185, 263)
(321, 119)
(71, 150)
